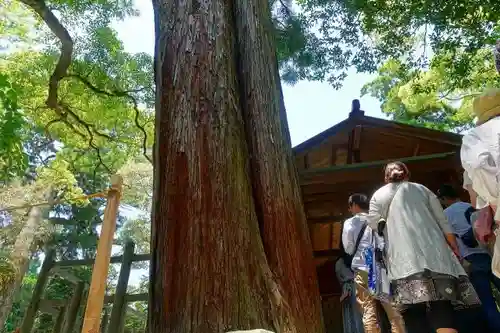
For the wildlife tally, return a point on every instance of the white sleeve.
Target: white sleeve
(376, 211)
(467, 181)
(481, 165)
(348, 237)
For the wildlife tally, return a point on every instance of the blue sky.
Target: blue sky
(311, 106)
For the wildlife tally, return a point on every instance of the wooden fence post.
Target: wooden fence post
(43, 276)
(95, 300)
(119, 304)
(105, 320)
(74, 306)
(59, 320)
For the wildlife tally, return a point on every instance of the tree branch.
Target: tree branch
(119, 93)
(66, 55)
(61, 71)
(145, 135)
(285, 6)
(112, 93)
(458, 98)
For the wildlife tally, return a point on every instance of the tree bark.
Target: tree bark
(274, 176)
(214, 268)
(496, 53)
(19, 258)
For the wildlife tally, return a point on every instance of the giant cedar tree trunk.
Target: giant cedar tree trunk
(213, 269)
(276, 189)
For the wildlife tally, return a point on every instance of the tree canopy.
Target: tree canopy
(75, 107)
(70, 116)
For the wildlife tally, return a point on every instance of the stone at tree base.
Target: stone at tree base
(252, 331)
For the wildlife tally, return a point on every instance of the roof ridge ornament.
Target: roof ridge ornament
(356, 109)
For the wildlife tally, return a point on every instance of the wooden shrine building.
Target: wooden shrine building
(349, 158)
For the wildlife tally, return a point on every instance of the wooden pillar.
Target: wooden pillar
(119, 304)
(59, 321)
(41, 282)
(74, 306)
(354, 145)
(356, 154)
(95, 299)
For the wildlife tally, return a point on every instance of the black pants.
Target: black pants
(428, 317)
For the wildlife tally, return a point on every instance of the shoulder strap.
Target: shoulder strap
(468, 214)
(358, 240)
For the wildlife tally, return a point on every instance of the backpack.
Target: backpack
(469, 239)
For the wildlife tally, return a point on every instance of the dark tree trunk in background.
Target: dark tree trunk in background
(496, 53)
(223, 167)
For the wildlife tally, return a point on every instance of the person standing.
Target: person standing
(422, 255)
(459, 215)
(480, 155)
(356, 236)
(351, 316)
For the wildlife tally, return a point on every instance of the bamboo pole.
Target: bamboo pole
(95, 300)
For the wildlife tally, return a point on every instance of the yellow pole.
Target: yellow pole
(95, 300)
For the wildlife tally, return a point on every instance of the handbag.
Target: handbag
(469, 238)
(379, 284)
(483, 226)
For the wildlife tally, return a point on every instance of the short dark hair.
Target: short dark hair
(359, 199)
(447, 191)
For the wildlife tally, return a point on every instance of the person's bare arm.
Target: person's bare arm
(452, 242)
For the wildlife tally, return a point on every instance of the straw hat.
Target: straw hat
(487, 105)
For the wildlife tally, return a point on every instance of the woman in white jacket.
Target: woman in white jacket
(426, 276)
(480, 155)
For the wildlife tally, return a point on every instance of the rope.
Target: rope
(101, 194)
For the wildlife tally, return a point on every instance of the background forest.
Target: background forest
(76, 108)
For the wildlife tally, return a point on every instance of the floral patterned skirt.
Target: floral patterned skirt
(429, 286)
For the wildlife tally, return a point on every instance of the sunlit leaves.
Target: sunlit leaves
(16, 25)
(138, 183)
(111, 117)
(13, 159)
(57, 177)
(137, 230)
(440, 96)
(366, 33)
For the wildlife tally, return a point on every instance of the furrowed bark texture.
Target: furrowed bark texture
(209, 272)
(274, 178)
(230, 248)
